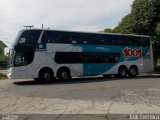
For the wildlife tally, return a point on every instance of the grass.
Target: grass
(2, 76)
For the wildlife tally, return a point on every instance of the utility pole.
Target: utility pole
(42, 26)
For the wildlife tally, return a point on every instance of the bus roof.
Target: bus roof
(134, 35)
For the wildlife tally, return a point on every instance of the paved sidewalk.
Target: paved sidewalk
(15, 104)
(3, 71)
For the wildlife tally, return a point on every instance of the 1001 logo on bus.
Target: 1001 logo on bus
(130, 53)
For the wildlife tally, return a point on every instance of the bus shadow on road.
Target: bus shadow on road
(70, 81)
(82, 80)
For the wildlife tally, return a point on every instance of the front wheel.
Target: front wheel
(122, 72)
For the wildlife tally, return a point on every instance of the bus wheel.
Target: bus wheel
(133, 71)
(63, 74)
(122, 71)
(45, 75)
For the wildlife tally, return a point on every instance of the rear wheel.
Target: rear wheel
(63, 74)
(122, 71)
(133, 71)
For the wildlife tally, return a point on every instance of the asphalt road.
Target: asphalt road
(88, 98)
(139, 90)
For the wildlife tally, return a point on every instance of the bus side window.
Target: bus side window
(73, 38)
(108, 39)
(147, 41)
(85, 42)
(144, 41)
(54, 37)
(64, 37)
(100, 40)
(124, 39)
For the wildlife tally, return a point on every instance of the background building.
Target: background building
(3, 57)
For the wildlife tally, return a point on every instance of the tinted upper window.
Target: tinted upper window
(29, 37)
(91, 38)
(64, 37)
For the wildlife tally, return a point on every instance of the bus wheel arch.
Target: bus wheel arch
(45, 74)
(64, 73)
(133, 71)
(122, 71)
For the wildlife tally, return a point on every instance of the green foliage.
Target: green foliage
(108, 30)
(125, 26)
(143, 19)
(158, 29)
(2, 45)
(2, 58)
(3, 76)
(157, 35)
(143, 15)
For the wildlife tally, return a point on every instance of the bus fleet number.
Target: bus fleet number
(128, 52)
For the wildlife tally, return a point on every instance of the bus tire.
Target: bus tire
(63, 73)
(133, 71)
(46, 75)
(122, 71)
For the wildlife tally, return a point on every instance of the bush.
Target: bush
(3, 76)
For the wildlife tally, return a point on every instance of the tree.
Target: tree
(125, 26)
(108, 30)
(143, 14)
(157, 37)
(143, 19)
(158, 29)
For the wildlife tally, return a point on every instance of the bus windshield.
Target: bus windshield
(23, 58)
(22, 52)
(23, 55)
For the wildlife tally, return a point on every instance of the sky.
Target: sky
(77, 15)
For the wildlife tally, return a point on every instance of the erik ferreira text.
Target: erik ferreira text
(144, 116)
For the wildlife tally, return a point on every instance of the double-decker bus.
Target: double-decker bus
(45, 54)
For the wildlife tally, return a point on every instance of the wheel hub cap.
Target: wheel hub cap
(64, 75)
(47, 76)
(122, 72)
